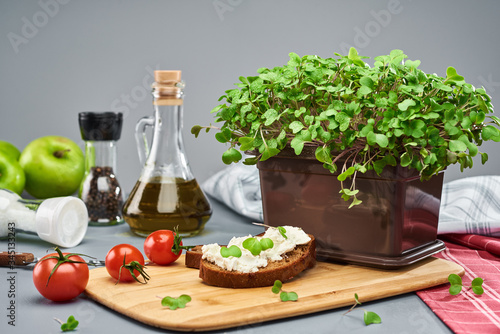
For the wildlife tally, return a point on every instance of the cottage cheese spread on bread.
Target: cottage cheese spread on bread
(249, 263)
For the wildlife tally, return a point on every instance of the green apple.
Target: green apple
(9, 150)
(53, 165)
(11, 174)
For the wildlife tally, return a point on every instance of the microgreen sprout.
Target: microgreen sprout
(255, 246)
(284, 296)
(456, 285)
(282, 231)
(69, 325)
(134, 265)
(175, 303)
(231, 251)
(357, 117)
(369, 317)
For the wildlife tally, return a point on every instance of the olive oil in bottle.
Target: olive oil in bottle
(167, 203)
(167, 195)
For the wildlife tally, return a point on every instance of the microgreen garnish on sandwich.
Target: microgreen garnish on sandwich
(282, 231)
(255, 246)
(231, 251)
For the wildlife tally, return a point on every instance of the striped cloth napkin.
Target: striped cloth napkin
(467, 312)
(469, 224)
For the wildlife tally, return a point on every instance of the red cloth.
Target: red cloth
(467, 312)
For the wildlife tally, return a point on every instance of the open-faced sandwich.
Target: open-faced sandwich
(247, 262)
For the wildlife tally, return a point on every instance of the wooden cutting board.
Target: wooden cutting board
(326, 286)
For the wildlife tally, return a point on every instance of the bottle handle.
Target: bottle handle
(141, 139)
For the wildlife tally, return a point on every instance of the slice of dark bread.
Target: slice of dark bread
(193, 257)
(293, 263)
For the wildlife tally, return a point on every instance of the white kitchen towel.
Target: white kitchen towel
(238, 187)
(469, 205)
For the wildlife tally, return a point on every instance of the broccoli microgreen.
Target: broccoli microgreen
(175, 303)
(69, 325)
(357, 117)
(255, 246)
(456, 285)
(282, 231)
(369, 317)
(231, 251)
(288, 296)
(284, 296)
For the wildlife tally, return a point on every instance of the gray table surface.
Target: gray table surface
(34, 314)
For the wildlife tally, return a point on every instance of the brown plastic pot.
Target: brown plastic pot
(396, 225)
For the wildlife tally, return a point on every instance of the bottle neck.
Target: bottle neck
(100, 154)
(167, 158)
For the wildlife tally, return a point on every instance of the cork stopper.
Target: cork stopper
(167, 88)
(167, 76)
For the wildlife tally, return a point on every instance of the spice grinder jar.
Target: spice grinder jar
(100, 189)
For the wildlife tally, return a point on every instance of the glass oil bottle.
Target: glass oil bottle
(167, 195)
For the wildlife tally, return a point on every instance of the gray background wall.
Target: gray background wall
(60, 57)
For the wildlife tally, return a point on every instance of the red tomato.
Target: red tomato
(158, 247)
(114, 262)
(68, 280)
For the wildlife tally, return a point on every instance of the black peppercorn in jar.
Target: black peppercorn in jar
(102, 195)
(100, 189)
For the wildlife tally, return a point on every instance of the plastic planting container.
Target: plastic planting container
(396, 225)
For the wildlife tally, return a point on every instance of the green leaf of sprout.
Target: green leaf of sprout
(371, 318)
(455, 289)
(233, 250)
(69, 325)
(277, 287)
(247, 143)
(451, 75)
(253, 245)
(288, 296)
(353, 55)
(175, 303)
(282, 231)
(266, 243)
(477, 286)
(196, 130)
(231, 155)
(454, 279)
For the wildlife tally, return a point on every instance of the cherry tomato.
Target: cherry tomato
(115, 260)
(67, 282)
(158, 247)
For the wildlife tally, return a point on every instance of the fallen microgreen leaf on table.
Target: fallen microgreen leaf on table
(369, 317)
(456, 285)
(284, 296)
(175, 303)
(288, 296)
(69, 325)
